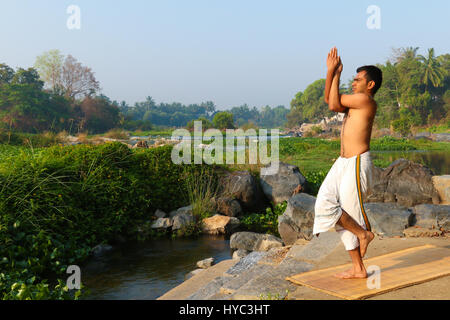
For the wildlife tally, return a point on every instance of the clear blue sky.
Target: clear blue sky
(230, 52)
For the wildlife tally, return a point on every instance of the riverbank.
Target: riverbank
(114, 193)
(265, 277)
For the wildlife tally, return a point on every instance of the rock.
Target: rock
(316, 249)
(186, 210)
(162, 223)
(141, 144)
(441, 137)
(240, 253)
(219, 224)
(442, 186)
(160, 214)
(100, 249)
(181, 220)
(271, 283)
(279, 187)
(71, 138)
(298, 219)
(205, 263)
(403, 182)
(252, 241)
(432, 216)
(423, 135)
(241, 185)
(228, 206)
(415, 232)
(208, 291)
(388, 219)
(192, 273)
(246, 263)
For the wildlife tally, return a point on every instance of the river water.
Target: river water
(437, 161)
(147, 270)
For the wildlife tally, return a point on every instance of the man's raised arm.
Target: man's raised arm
(332, 96)
(331, 67)
(328, 81)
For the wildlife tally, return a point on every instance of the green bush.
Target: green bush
(59, 202)
(389, 143)
(264, 223)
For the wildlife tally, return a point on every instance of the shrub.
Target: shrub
(59, 202)
(264, 223)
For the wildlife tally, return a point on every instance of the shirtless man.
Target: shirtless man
(353, 164)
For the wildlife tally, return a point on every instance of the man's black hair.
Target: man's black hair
(372, 74)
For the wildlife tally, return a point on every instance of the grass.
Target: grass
(201, 188)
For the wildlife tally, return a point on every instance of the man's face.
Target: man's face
(359, 84)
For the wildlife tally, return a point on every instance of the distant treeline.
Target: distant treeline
(179, 115)
(59, 93)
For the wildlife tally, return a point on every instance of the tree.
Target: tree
(98, 114)
(29, 76)
(223, 120)
(206, 124)
(6, 73)
(309, 105)
(401, 54)
(49, 66)
(24, 105)
(77, 80)
(432, 71)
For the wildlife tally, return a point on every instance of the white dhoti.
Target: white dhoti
(348, 180)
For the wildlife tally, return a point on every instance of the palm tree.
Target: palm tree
(432, 70)
(404, 53)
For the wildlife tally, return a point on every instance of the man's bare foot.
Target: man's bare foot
(364, 242)
(351, 274)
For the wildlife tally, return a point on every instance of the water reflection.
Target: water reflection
(437, 161)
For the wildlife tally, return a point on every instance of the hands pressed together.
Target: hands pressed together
(334, 62)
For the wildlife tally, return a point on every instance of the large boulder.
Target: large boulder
(241, 185)
(219, 224)
(442, 186)
(252, 241)
(388, 219)
(181, 217)
(403, 182)
(298, 219)
(279, 187)
(432, 216)
(181, 220)
(228, 206)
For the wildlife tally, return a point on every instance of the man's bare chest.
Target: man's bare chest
(355, 119)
